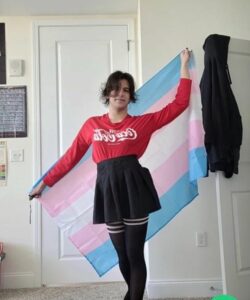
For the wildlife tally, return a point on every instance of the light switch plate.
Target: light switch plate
(201, 239)
(16, 155)
(16, 67)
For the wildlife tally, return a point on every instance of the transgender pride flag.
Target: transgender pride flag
(175, 156)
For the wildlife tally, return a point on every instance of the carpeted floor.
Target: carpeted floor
(104, 291)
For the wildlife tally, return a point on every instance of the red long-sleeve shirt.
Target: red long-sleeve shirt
(130, 136)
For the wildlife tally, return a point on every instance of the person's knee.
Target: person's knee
(135, 256)
(122, 256)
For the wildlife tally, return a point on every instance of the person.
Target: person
(124, 193)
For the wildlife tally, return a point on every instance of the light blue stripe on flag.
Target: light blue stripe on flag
(174, 200)
(103, 258)
(197, 163)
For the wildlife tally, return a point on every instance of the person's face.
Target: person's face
(120, 99)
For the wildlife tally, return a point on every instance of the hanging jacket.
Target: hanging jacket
(221, 118)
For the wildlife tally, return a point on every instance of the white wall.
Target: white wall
(15, 231)
(176, 266)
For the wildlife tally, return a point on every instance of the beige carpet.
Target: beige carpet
(104, 291)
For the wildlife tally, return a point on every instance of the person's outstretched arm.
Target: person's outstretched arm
(71, 157)
(180, 102)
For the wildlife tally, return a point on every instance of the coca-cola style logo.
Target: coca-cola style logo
(114, 135)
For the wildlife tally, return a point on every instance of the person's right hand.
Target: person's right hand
(185, 56)
(37, 191)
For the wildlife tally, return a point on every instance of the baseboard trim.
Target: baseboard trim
(184, 288)
(17, 280)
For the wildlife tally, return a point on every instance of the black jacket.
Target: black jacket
(221, 117)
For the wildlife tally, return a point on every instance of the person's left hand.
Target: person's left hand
(185, 56)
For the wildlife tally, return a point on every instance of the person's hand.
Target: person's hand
(185, 56)
(37, 191)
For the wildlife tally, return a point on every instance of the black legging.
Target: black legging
(129, 245)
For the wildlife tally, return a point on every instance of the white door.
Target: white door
(234, 194)
(74, 60)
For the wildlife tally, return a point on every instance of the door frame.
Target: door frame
(219, 177)
(130, 22)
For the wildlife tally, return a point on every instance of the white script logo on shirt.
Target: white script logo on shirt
(114, 135)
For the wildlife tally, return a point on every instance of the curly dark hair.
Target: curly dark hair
(112, 84)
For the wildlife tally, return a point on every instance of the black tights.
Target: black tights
(129, 245)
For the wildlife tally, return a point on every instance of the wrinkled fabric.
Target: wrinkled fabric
(221, 116)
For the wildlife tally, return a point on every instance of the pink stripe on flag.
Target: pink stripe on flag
(171, 170)
(196, 134)
(90, 237)
(80, 180)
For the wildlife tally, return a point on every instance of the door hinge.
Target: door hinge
(128, 44)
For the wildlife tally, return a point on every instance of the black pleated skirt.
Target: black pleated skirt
(124, 189)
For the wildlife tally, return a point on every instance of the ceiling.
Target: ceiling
(66, 7)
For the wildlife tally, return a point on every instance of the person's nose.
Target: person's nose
(119, 92)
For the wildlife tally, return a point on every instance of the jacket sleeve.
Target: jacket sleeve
(174, 109)
(71, 157)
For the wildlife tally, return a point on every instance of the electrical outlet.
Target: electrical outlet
(16, 155)
(201, 239)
